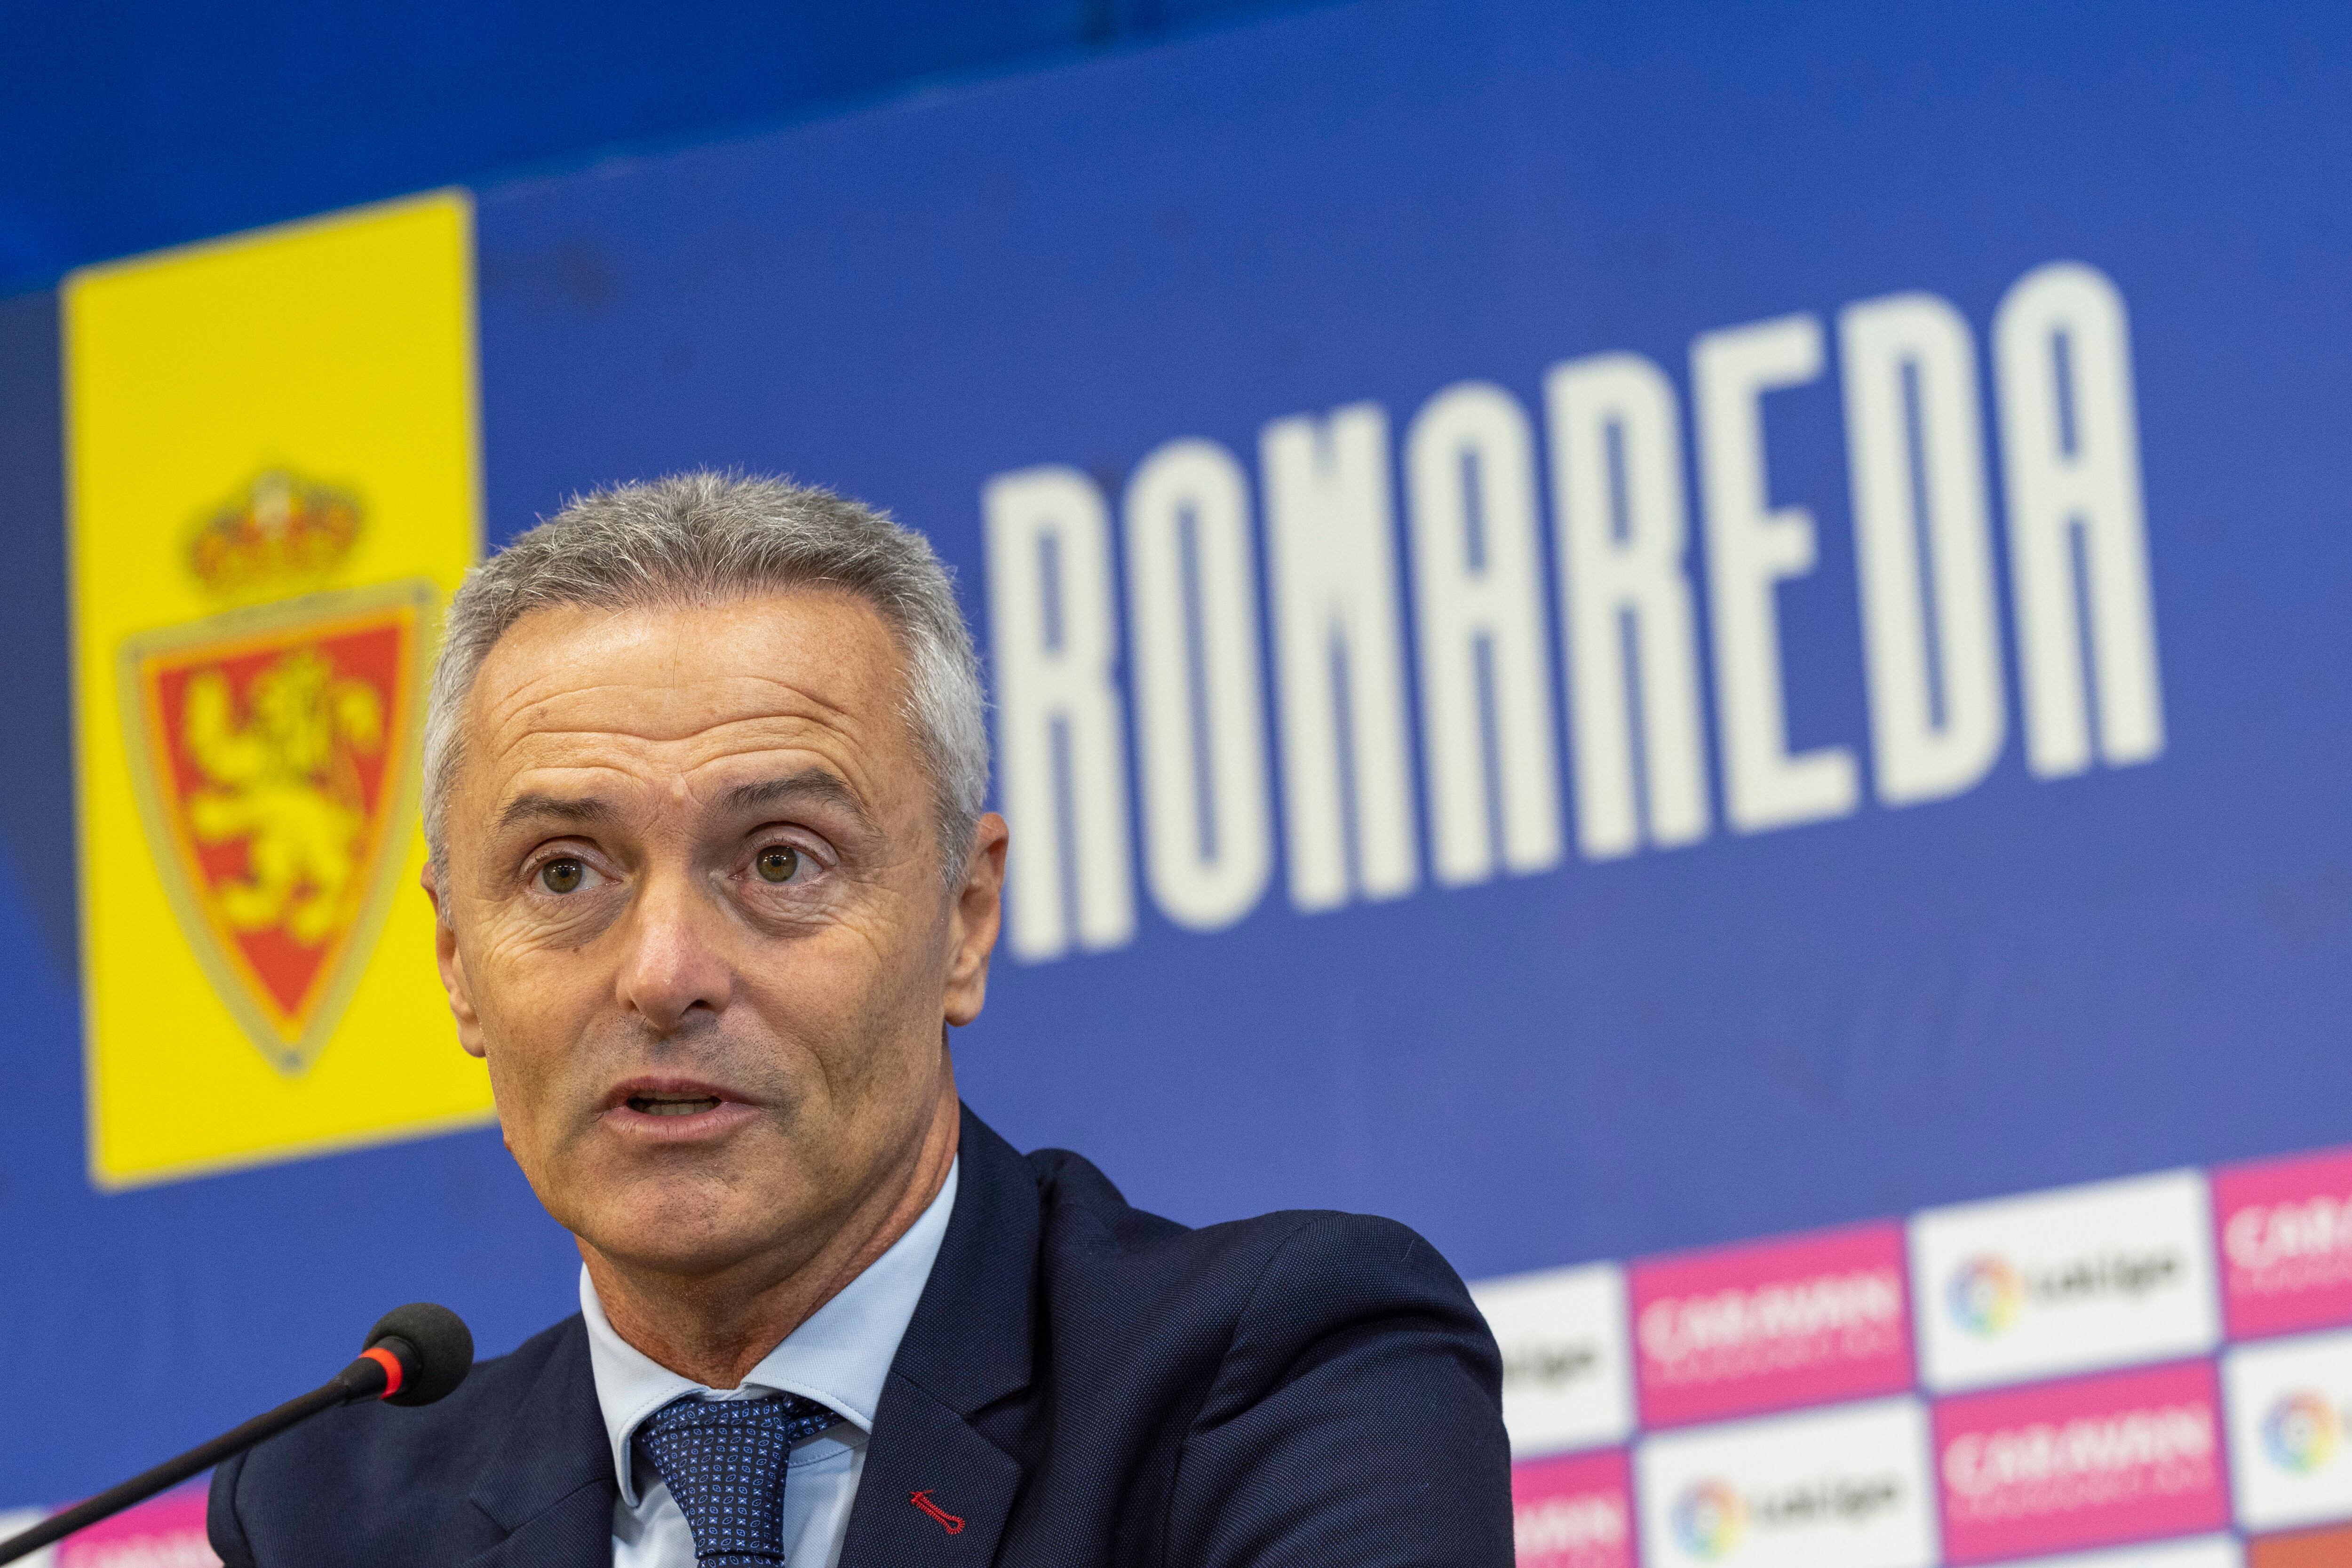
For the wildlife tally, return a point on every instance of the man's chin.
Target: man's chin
(688, 1225)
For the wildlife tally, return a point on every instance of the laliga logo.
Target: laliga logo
(2301, 1432)
(1985, 1295)
(1710, 1520)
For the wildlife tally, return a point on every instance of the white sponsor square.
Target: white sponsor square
(1568, 1377)
(2290, 1413)
(15, 1520)
(2108, 1275)
(1843, 1487)
(2200, 1552)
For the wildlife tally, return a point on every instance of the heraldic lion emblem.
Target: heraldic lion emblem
(284, 782)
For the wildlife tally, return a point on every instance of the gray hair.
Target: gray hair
(694, 538)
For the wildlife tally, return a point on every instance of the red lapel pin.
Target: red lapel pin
(948, 1522)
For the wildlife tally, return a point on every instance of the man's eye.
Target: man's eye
(562, 875)
(777, 863)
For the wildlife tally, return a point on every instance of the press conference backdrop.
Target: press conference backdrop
(1705, 655)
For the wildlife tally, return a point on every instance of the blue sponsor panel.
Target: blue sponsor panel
(1609, 632)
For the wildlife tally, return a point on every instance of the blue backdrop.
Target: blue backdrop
(2034, 983)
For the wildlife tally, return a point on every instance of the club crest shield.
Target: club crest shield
(273, 750)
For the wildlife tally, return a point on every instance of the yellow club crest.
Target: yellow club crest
(271, 444)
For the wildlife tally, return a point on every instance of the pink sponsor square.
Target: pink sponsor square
(2285, 1233)
(1809, 1320)
(2128, 1456)
(1574, 1512)
(167, 1531)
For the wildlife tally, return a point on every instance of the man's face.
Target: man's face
(694, 922)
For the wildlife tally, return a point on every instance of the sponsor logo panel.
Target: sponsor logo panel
(167, 1531)
(1567, 1380)
(2100, 1460)
(2290, 1401)
(1843, 1488)
(1574, 1512)
(1811, 1319)
(2069, 1281)
(2286, 1244)
(2205, 1552)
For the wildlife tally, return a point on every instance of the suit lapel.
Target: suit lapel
(576, 1533)
(933, 1491)
(550, 1486)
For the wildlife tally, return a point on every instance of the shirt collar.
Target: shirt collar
(841, 1356)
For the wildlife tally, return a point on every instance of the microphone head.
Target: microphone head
(435, 1348)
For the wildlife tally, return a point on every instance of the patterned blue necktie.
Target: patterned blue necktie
(724, 1461)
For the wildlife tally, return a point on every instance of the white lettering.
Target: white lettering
(1559, 1524)
(1060, 735)
(1191, 590)
(1332, 562)
(1470, 477)
(2070, 446)
(1751, 547)
(1916, 451)
(1676, 1327)
(1613, 580)
(1981, 1462)
(2265, 1237)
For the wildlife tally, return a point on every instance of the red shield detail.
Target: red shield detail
(275, 749)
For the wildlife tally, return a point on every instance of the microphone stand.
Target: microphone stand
(364, 1378)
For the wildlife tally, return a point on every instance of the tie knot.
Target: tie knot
(724, 1462)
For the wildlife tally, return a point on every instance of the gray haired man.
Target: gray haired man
(704, 771)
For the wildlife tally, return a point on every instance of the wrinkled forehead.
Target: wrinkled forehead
(681, 687)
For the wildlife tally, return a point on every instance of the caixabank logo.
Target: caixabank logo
(2070, 1281)
(273, 490)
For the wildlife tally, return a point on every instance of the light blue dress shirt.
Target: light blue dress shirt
(841, 1356)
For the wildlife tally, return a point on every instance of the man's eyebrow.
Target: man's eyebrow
(814, 784)
(535, 807)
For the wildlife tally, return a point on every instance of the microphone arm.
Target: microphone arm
(416, 1354)
(347, 1385)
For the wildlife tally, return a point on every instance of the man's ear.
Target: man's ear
(452, 963)
(973, 923)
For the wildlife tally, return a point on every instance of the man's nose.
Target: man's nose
(675, 963)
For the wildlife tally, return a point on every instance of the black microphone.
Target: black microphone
(415, 1355)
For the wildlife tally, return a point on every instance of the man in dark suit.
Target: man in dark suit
(703, 777)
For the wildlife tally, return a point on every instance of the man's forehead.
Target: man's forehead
(814, 673)
(826, 640)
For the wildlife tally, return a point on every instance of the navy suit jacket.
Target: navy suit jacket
(1082, 1383)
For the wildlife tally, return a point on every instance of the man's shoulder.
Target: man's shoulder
(1232, 1393)
(1271, 1280)
(397, 1468)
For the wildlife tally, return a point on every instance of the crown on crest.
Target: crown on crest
(280, 534)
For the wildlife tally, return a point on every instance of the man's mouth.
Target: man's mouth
(672, 1104)
(675, 1107)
